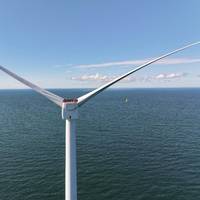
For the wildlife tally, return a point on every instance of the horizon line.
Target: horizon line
(114, 88)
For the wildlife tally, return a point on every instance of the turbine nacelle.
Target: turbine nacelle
(69, 109)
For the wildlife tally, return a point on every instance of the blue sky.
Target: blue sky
(75, 44)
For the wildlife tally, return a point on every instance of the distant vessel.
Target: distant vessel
(126, 100)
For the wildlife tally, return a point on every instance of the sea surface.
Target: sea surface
(147, 148)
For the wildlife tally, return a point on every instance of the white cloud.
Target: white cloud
(61, 66)
(167, 61)
(93, 77)
(170, 76)
(160, 76)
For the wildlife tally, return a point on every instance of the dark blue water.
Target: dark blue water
(147, 148)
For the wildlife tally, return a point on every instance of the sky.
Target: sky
(84, 44)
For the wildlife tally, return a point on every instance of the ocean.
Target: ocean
(146, 148)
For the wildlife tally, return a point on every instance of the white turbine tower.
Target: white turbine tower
(70, 114)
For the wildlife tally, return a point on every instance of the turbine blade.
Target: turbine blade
(86, 97)
(52, 97)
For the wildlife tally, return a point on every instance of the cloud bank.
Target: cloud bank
(104, 78)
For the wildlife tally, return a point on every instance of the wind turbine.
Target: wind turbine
(69, 109)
